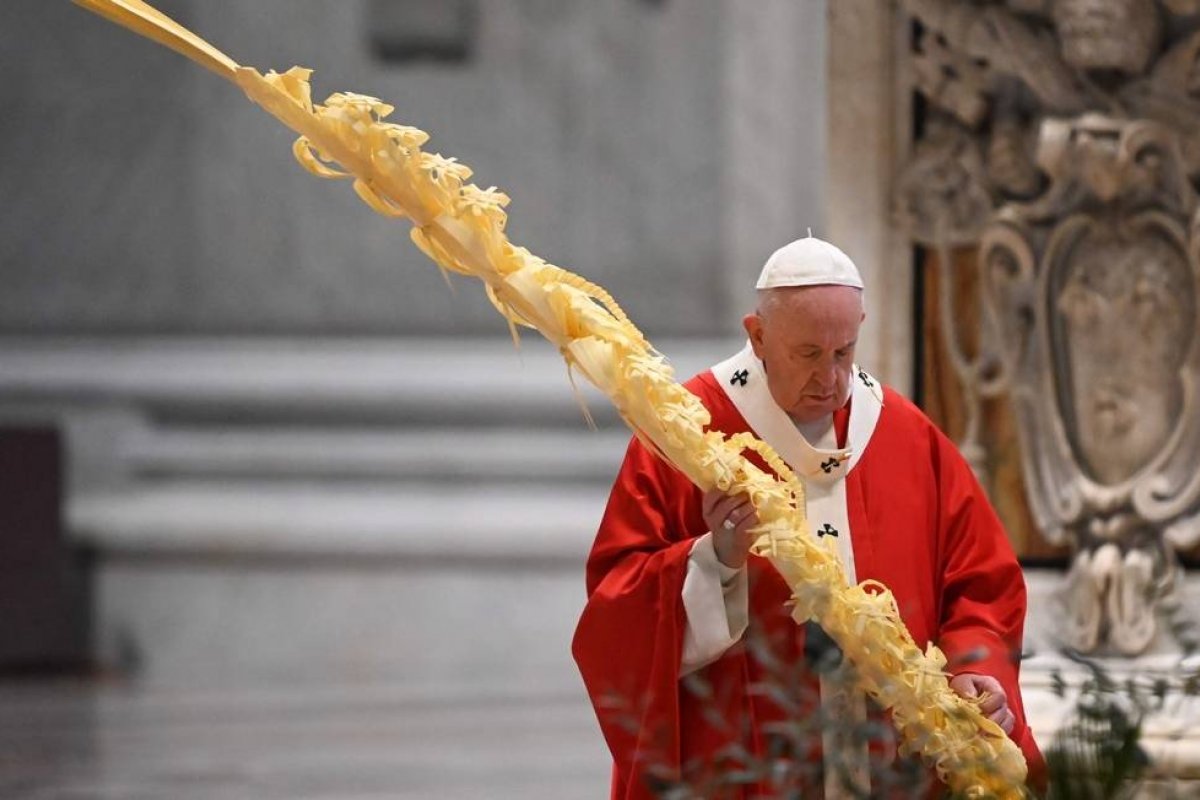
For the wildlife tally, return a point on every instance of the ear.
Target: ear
(754, 330)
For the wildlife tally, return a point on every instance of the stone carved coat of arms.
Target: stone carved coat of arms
(1062, 137)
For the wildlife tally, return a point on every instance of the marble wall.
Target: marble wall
(147, 197)
(250, 367)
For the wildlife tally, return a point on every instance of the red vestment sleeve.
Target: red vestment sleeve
(629, 640)
(983, 599)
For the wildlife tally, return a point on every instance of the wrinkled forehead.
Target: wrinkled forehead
(825, 316)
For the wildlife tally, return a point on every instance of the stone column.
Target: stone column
(867, 130)
(774, 143)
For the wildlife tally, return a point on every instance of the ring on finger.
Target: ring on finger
(728, 524)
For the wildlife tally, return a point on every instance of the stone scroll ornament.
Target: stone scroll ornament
(1062, 140)
(461, 227)
(1093, 291)
(991, 73)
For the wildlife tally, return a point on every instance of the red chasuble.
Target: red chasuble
(921, 525)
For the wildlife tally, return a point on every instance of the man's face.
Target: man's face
(805, 337)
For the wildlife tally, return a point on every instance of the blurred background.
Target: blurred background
(284, 515)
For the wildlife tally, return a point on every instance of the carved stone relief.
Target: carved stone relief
(1092, 295)
(1063, 138)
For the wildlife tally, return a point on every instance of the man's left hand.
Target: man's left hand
(994, 705)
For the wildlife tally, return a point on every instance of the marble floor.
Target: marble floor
(83, 741)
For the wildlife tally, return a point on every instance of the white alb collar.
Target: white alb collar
(744, 380)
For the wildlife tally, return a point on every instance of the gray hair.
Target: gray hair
(769, 300)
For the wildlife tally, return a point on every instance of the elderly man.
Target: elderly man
(698, 674)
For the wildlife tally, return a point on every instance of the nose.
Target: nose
(827, 371)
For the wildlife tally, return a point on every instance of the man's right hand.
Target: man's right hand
(732, 543)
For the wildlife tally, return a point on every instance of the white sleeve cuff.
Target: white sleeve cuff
(716, 603)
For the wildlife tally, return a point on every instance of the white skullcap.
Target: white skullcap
(808, 262)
